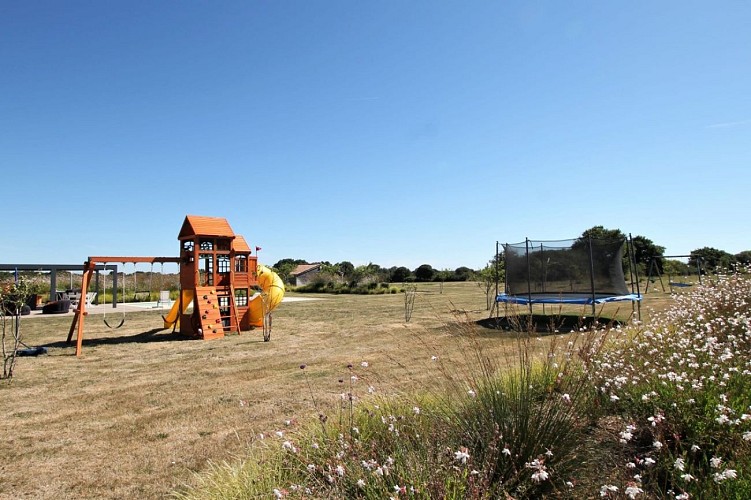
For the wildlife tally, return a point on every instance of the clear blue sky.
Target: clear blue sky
(392, 132)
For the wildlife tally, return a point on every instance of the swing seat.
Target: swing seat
(680, 285)
(122, 322)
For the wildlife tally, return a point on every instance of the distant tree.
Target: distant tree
(329, 273)
(711, 259)
(285, 267)
(744, 257)
(673, 267)
(425, 273)
(644, 251)
(463, 274)
(600, 233)
(365, 275)
(491, 275)
(346, 269)
(379, 274)
(399, 274)
(443, 275)
(285, 262)
(643, 247)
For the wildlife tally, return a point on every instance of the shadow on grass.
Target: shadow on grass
(542, 323)
(153, 335)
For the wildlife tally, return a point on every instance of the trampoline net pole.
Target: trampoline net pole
(529, 277)
(592, 275)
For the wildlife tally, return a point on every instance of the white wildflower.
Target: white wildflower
(605, 489)
(461, 455)
(633, 490)
(726, 474)
(540, 475)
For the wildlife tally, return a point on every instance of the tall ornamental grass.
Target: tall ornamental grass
(657, 410)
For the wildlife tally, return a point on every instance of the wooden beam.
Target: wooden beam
(132, 260)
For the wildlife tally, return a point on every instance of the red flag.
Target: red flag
(258, 248)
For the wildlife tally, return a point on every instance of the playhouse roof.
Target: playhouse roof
(240, 244)
(198, 225)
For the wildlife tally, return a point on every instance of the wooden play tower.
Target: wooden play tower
(217, 270)
(218, 278)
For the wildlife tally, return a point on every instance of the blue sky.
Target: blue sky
(399, 133)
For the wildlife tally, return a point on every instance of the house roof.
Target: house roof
(240, 245)
(198, 225)
(304, 268)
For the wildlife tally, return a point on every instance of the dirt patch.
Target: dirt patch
(542, 323)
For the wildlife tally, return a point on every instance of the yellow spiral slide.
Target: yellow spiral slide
(272, 288)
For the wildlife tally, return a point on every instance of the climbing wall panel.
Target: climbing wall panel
(209, 314)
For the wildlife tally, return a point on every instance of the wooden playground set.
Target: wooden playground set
(218, 278)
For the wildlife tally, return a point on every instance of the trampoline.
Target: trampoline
(585, 271)
(565, 299)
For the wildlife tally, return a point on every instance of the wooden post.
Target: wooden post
(80, 313)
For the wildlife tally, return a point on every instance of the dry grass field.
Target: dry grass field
(142, 411)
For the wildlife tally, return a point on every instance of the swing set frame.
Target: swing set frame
(654, 271)
(92, 264)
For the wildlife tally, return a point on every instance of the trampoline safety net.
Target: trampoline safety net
(583, 267)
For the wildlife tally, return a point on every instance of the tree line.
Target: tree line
(347, 273)
(646, 253)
